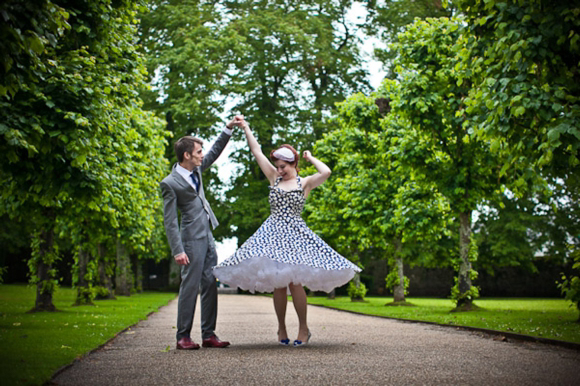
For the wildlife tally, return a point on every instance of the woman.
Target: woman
(284, 254)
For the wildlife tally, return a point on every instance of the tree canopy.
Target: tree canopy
(282, 63)
(74, 129)
(480, 113)
(523, 59)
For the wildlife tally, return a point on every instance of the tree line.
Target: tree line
(478, 113)
(481, 115)
(81, 157)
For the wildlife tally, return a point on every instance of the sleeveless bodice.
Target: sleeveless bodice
(286, 203)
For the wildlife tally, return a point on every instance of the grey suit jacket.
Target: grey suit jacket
(178, 194)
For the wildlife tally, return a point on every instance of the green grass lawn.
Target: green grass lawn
(35, 345)
(544, 318)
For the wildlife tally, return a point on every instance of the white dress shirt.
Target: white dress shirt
(187, 174)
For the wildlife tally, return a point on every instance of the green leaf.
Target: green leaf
(519, 111)
(553, 135)
(35, 44)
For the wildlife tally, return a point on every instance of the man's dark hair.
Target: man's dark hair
(185, 145)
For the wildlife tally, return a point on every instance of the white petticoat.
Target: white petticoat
(262, 274)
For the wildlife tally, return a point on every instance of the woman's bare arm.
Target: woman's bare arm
(265, 165)
(316, 179)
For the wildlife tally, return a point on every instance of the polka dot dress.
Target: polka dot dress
(284, 250)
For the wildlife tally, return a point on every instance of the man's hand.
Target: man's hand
(182, 259)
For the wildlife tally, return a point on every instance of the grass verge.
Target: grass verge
(543, 318)
(35, 345)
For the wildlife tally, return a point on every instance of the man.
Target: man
(192, 243)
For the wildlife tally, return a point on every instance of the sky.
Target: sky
(227, 247)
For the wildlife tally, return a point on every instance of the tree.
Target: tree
(439, 142)
(127, 208)
(28, 28)
(186, 48)
(189, 53)
(299, 58)
(523, 59)
(56, 125)
(519, 231)
(282, 63)
(570, 285)
(376, 200)
(508, 233)
(324, 213)
(386, 19)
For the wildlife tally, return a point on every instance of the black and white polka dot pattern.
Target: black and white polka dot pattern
(284, 250)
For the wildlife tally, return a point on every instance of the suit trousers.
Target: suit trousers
(198, 273)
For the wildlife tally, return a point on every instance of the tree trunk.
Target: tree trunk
(332, 294)
(104, 280)
(356, 296)
(138, 274)
(43, 295)
(123, 277)
(83, 285)
(45, 286)
(464, 278)
(399, 289)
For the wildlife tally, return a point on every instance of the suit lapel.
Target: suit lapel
(181, 180)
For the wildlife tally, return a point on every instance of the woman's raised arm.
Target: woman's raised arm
(316, 179)
(265, 165)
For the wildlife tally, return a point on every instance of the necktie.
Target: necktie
(195, 181)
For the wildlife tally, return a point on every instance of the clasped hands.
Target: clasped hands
(237, 121)
(240, 121)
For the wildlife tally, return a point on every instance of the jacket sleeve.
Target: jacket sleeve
(215, 150)
(170, 219)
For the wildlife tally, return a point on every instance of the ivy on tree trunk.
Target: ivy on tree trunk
(104, 280)
(138, 273)
(399, 289)
(123, 277)
(84, 295)
(464, 275)
(44, 258)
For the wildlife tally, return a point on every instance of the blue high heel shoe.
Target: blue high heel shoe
(299, 343)
(284, 342)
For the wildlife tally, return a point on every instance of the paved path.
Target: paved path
(345, 349)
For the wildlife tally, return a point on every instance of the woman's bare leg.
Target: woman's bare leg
(280, 302)
(300, 304)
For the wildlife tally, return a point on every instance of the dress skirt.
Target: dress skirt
(285, 250)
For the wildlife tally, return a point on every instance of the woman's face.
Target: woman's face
(285, 170)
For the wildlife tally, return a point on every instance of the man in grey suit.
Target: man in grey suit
(192, 243)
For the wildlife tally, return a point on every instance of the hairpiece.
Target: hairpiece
(284, 154)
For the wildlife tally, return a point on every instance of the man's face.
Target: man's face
(196, 156)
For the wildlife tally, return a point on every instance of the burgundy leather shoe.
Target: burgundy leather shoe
(214, 342)
(187, 344)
